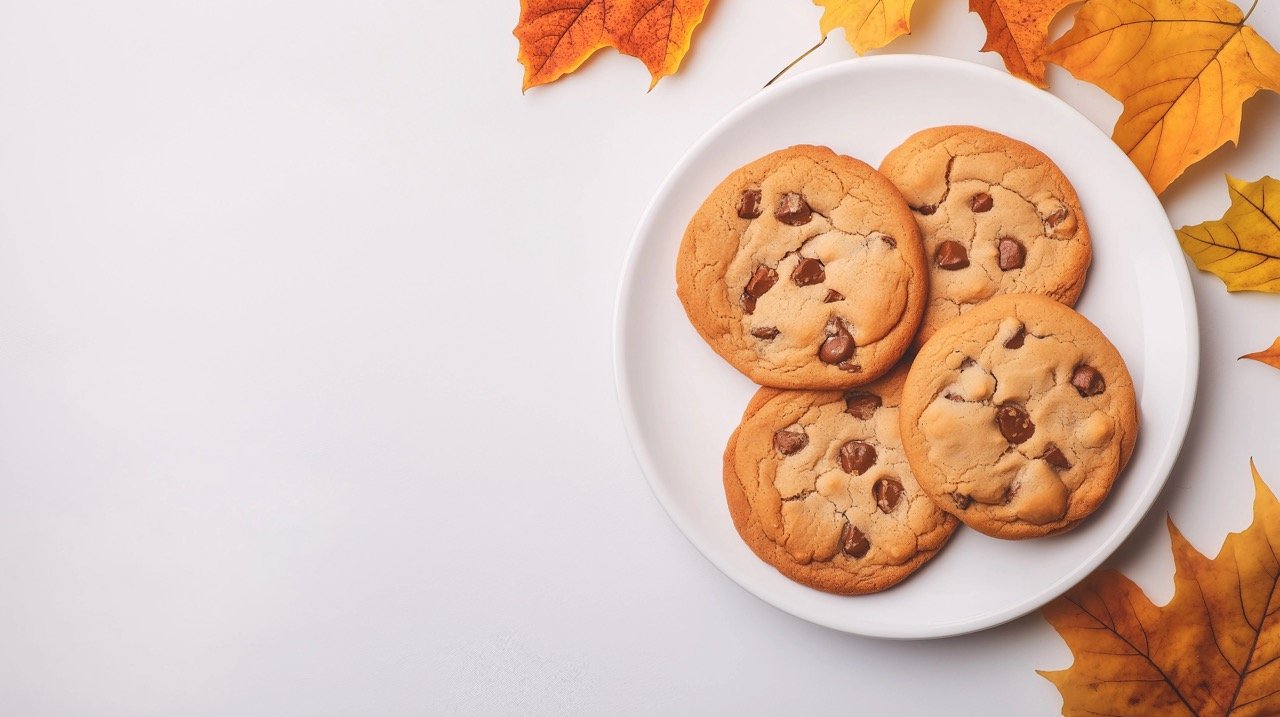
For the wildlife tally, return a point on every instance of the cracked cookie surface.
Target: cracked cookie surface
(997, 217)
(804, 269)
(819, 487)
(1018, 416)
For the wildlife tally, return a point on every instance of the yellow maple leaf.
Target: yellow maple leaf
(1213, 650)
(1270, 356)
(1019, 31)
(1182, 68)
(557, 36)
(1243, 247)
(868, 24)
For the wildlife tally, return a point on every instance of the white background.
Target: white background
(306, 398)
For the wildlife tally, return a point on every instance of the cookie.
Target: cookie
(1018, 416)
(819, 487)
(997, 217)
(804, 269)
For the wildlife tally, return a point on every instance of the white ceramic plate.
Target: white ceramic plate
(680, 401)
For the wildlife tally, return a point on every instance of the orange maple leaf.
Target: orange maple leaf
(1182, 68)
(1213, 650)
(1270, 356)
(557, 36)
(1019, 31)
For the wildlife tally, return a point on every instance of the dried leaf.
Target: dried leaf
(1243, 247)
(1213, 650)
(1182, 68)
(1270, 357)
(867, 24)
(557, 36)
(1019, 31)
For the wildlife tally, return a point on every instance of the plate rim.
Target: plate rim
(648, 468)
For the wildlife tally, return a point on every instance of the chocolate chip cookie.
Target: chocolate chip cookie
(1017, 416)
(997, 217)
(804, 269)
(819, 487)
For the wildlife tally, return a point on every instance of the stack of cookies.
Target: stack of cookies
(819, 277)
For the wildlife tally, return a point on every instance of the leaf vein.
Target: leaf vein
(1164, 676)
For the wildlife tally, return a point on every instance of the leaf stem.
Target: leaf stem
(805, 54)
(1247, 14)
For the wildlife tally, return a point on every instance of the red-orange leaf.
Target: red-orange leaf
(557, 36)
(1213, 650)
(1019, 31)
(1270, 357)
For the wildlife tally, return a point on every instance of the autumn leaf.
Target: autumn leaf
(1019, 31)
(1213, 650)
(1182, 68)
(557, 36)
(1270, 357)
(867, 24)
(1243, 247)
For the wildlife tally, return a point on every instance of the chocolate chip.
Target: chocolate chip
(765, 332)
(926, 209)
(962, 501)
(951, 256)
(893, 243)
(853, 542)
(981, 202)
(761, 281)
(1059, 216)
(1012, 254)
(793, 210)
(789, 442)
(832, 295)
(849, 366)
(1054, 457)
(1015, 424)
(838, 346)
(887, 493)
(1016, 341)
(1088, 380)
(749, 204)
(952, 397)
(856, 457)
(861, 405)
(808, 271)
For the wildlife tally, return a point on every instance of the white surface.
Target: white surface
(1137, 292)
(258, 457)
